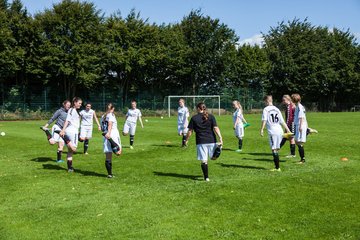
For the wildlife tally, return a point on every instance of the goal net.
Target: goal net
(212, 103)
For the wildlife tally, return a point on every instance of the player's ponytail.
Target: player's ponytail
(109, 107)
(202, 107)
(75, 100)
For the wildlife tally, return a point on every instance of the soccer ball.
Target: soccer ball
(162, 117)
(2, 133)
(146, 120)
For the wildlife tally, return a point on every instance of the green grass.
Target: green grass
(158, 192)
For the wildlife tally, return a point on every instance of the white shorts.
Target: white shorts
(239, 130)
(182, 130)
(107, 146)
(300, 136)
(56, 136)
(86, 132)
(275, 140)
(129, 127)
(205, 151)
(73, 136)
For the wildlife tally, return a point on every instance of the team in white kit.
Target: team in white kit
(78, 126)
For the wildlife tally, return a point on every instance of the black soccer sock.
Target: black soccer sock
(48, 134)
(59, 152)
(301, 152)
(283, 141)
(276, 160)
(108, 166)
(131, 140)
(240, 143)
(86, 145)
(307, 131)
(183, 140)
(69, 164)
(292, 149)
(65, 137)
(204, 168)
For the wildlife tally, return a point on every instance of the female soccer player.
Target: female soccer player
(205, 127)
(239, 120)
(300, 125)
(183, 115)
(71, 130)
(273, 120)
(53, 137)
(86, 127)
(131, 118)
(108, 120)
(289, 117)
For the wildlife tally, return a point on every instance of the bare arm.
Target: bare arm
(188, 135)
(285, 126)
(140, 120)
(62, 133)
(262, 128)
(218, 133)
(300, 124)
(108, 134)
(97, 121)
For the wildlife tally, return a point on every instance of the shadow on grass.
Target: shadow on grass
(260, 154)
(43, 159)
(228, 149)
(240, 166)
(166, 145)
(83, 172)
(177, 175)
(262, 159)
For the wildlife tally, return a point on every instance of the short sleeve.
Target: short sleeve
(139, 114)
(264, 115)
(191, 124)
(213, 121)
(111, 117)
(301, 112)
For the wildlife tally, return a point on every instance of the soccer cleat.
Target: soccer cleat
(290, 156)
(288, 135)
(131, 147)
(207, 180)
(238, 150)
(275, 170)
(86, 153)
(44, 129)
(59, 161)
(302, 161)
(311, 130)
(110, 176)
(70, 170)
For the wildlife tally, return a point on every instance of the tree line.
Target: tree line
(73, 49)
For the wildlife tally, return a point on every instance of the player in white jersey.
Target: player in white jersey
(111, 133)
(131, 118)
(238, 121)
(300, 125)
(71, 130)
(183, 122)
(273, 120)
(86, 127)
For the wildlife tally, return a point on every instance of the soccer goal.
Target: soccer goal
(212, 102)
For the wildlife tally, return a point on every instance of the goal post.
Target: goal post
(194, 99)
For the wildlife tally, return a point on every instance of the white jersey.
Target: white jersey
(73, 118)
(238, 115)
(183, 114)
(110, 117)
(133, 115)
(87, 118)
(300, 113)
(274, 119)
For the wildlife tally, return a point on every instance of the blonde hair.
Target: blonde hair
(237, 103)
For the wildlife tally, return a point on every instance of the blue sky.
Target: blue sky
(248, 18)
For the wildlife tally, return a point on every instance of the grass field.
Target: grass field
(158, 192)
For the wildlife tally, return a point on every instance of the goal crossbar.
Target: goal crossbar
(192, 96)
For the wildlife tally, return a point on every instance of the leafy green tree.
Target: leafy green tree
(208, 46)
(72, 49)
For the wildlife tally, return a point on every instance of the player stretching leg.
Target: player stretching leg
(86, 128)
(273, 120)
(60, 117)
(71, 130)
(183, 114)
(238, 120)
(111, 134)
(131, 118)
